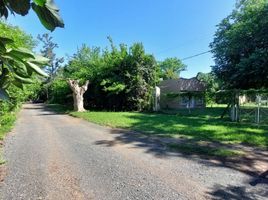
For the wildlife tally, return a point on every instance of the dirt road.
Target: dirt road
(53, 156)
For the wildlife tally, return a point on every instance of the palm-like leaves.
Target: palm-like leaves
(18, 65)
(46, 10)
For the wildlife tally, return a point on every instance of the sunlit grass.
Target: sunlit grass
(200, 128)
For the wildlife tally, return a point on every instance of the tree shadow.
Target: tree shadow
(33, 106)
(195, 140)
(47, 109)
(261, 179)
(220, 192)
(248, 165)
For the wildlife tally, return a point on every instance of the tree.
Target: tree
(240, 46)
(141, 78)
(53, 64)
(171, 68)
(78, 93)
(85, 65)
(212, 86)
(18, 64)
(48, 52)
(121, 78)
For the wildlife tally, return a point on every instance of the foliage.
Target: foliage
(171, 68)
(84, 65)
(48, 52)
(6, 122)
(17, 64)
(240, 46)
(212, 86)
(60, 92)
(46, 10)
(13, 87)
(9, 108)
(52, 66)
(20, 38)
(121, 78)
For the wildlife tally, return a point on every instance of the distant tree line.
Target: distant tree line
(120, 77)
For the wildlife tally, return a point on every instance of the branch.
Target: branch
(73, 84)
(85, 86)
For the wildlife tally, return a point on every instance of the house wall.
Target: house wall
(181, 102)
(169, 103)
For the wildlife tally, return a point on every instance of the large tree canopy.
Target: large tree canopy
(171, 68)
(240, 46)
(121, 78)
(212, 86)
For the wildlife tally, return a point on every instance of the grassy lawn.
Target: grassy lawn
(204, 125)
(201, 125)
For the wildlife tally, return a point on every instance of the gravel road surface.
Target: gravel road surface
(58, 157)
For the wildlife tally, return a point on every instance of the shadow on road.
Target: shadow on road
(47, 109)
(245, 164)
(253, 164)
(236, 193)
(157, 146)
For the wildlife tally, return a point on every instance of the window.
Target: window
(184, 100)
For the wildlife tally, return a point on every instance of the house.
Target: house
(182, 93)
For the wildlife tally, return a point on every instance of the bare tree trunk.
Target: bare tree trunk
(78, 93)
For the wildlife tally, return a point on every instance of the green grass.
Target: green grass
(6, 123)
(203, 126)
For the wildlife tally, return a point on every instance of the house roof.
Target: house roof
(182, 85)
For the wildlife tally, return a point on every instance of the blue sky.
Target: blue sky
(167, 28)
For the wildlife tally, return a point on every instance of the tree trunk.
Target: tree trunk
(78, 93)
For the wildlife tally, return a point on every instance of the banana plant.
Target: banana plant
(17, 66)
(46, 10)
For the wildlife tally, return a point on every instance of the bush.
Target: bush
(60, 92)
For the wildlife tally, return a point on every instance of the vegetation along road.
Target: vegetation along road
(55, 156)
